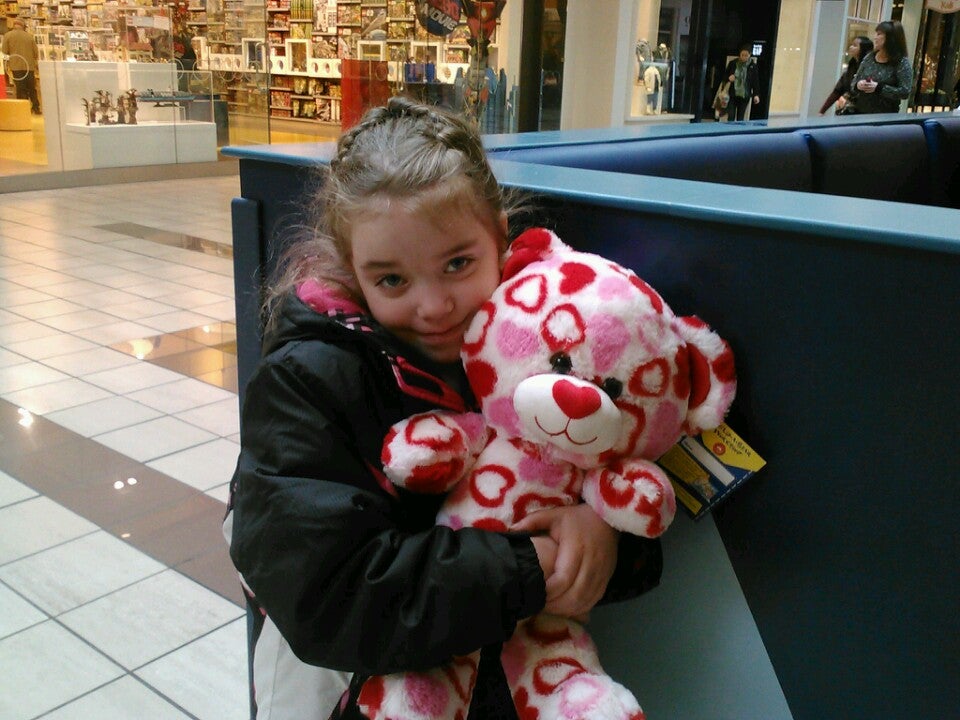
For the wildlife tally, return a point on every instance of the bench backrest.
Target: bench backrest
(879, 162)
(914, 162)
(943, 141)
(740, 159)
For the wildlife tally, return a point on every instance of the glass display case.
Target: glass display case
(113, 114)
(655, 72)
(657, 58)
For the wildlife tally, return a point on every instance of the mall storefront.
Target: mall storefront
(146, 84)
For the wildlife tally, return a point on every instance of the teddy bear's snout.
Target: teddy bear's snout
(574, 400)
(567, 412)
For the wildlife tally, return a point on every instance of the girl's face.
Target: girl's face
(854, 49)
(424, 277)
(878, 39)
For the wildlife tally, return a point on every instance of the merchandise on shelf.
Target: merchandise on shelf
(249, 45)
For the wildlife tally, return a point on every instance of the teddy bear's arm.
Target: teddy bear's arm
(430, 452)
(633, 496)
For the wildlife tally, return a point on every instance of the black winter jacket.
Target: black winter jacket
(353, 572)
(751, 82)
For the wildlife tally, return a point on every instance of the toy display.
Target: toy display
(167, 98)
(584, 377)
(101, 109)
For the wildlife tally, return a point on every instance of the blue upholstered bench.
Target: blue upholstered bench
(943, 140)
(878, 162)
(913, 161)
(779, 160)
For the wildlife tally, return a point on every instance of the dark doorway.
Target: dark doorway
(552, 34)
(541, 65)
(733, 23)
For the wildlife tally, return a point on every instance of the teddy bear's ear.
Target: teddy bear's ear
(713, 380)
(529, 247)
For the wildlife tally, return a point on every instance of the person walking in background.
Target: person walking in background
(858, 50)
(21, 49)
(744, 83)
(885, 76)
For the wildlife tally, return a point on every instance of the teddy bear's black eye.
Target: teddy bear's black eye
(612, 387)
(560, 362)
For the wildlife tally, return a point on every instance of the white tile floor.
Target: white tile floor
(90, 626)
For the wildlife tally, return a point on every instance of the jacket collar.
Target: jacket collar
(316, 312)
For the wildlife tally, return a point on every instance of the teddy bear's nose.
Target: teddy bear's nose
(576, 401)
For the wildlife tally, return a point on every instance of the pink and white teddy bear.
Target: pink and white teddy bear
(584, 376)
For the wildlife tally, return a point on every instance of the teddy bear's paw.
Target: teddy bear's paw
(439, 694)
(582, 695)
(633, 496)
(426, 453)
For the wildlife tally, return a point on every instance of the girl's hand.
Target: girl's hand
(586, 556)
(867, 86)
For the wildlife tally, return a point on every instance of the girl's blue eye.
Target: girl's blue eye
(390, 281)
(458, 264)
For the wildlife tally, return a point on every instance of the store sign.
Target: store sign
(944, 6)
(439, 17)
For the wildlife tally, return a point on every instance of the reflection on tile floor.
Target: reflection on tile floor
(118, 435)
(208, 353)
(189, 242)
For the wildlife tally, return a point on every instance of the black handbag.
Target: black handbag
(848, 109)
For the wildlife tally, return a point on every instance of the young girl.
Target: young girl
(347, 576)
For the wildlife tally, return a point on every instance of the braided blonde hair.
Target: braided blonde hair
(405, 152)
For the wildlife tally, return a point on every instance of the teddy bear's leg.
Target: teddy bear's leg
(554, 673)
(439, 694)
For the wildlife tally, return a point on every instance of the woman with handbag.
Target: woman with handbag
(743, 82)
(857, 51)
(884, 77)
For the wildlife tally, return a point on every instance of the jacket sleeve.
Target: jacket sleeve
(320, 544)
(842, 86)
(834, 95)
